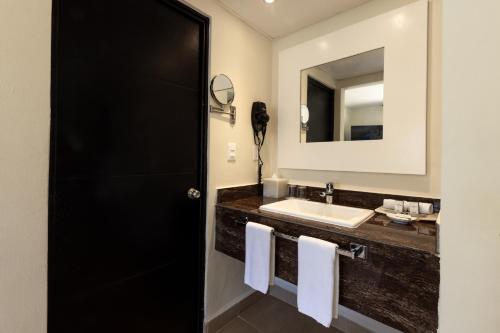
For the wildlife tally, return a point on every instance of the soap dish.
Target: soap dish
(401, 218)
(421, 217)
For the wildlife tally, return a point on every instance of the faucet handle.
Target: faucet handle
(329, 186)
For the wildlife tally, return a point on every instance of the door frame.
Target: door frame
(204, 22)
(312, 81)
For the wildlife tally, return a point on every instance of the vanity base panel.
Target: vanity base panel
(396, 286)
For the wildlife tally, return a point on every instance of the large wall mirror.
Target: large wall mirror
(356, 98)
(343, 100)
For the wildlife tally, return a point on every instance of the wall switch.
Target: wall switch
(231, 151)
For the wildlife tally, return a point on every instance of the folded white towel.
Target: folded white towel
(425, 208)
(398, 206)
(318, 280)
(259, 256)
(413, 208)
(389, 203)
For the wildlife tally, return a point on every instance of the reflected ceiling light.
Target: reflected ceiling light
(268, 1)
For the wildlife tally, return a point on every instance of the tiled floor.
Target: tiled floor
(270, 315)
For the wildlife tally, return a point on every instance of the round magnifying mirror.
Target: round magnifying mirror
(304, 114)
(222, 89)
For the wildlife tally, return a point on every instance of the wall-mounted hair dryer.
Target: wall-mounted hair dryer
(260, 118)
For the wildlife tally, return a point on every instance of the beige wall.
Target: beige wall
(24, 161)
(237, 50)
(470, 225)
(245, 56)
(428, 185)
(362, 116)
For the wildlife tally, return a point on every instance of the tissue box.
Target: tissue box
(275, 187)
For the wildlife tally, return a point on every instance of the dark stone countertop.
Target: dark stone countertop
(420, 236)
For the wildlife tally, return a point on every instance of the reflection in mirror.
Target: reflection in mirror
(222, 89)
(344, 99)
(304, 116)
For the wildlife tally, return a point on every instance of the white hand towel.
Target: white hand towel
(259, 256)
(318, 280)
(425, 208)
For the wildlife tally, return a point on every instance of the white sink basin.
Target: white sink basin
(316, 211)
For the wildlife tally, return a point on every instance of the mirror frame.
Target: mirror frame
(403, 34)
(213, 93)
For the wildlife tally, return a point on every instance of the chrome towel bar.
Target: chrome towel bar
(356, 251)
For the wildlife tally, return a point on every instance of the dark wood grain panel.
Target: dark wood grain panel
(360, 199)
(238, 192)
(368, 200)
(417, 236)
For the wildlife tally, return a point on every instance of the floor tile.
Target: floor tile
(302, 323)
(237, 326)
(270, 315)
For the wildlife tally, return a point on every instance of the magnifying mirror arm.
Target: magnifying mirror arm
(221, 109)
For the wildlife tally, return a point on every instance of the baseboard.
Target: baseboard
(231, 311)
(349, 321)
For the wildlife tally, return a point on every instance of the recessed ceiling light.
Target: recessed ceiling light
(268, 1)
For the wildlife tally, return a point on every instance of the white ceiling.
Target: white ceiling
(357, 65)
(286, 16)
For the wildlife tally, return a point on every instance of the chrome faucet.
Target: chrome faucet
(328, 194)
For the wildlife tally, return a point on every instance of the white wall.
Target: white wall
(24, 160)
(245, 56)
(365, 115)
(428, 185)
(362, 116)
(470, 225)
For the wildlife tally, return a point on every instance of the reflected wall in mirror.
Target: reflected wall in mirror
(344, 99)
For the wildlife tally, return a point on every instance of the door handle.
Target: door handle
(193, 194)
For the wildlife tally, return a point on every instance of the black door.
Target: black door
(126, 244)
(320, 104)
